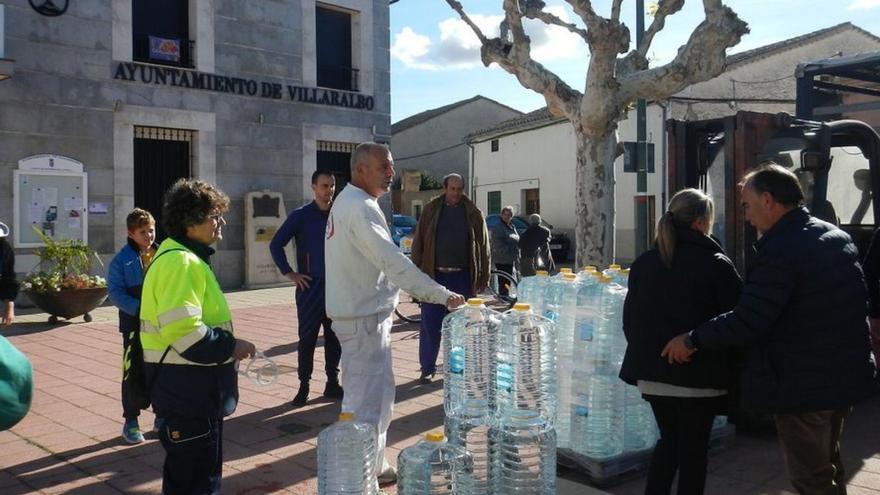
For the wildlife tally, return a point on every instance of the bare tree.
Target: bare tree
(611, 85)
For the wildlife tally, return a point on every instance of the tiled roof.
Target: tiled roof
(418, 118)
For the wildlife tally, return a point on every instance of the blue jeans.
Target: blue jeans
(432, 318)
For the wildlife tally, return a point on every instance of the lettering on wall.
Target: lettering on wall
(172, 76)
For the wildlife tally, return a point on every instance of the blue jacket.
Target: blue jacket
(307, 225)
(125, 278)
(801, 317)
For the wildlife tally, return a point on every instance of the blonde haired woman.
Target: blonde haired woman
(683, 281)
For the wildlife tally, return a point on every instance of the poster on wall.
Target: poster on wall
(49, 196)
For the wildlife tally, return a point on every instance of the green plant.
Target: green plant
(63, 264)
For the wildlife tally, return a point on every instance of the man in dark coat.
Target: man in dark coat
(534, 246)
(801, 318)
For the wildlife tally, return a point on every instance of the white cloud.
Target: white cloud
(458, 47)
(863, 4)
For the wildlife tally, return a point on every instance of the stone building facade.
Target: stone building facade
(247, 94)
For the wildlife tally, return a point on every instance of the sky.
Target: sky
(435, 57)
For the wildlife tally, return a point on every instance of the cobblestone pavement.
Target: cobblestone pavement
(70, 442)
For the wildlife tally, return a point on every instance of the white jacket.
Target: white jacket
(364, 266)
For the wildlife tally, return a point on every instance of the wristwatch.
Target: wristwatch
(690, 341)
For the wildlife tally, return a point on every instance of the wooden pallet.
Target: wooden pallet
(620, 468)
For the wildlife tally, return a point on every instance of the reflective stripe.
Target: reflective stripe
(180, 313)
(186, 341)
(153, 356)
(147, 327)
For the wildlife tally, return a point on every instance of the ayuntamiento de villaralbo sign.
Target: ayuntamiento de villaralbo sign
(172, 76)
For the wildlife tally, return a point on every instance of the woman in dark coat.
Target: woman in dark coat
(684, 280)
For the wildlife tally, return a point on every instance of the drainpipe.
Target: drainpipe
(471, 179)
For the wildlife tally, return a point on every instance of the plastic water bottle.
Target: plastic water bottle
(434, 467)
(598, 396)
(612, 270)
(531, 291)
(523, 459)
(587, 272)
(621, 277)
(347, 458)
(639, 428)
(719, 422)
(469, 336)
(469, 339)
(560, 301)
(525, 368)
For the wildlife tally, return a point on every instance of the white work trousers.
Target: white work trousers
(367, 376)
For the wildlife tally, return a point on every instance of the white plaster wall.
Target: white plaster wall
(545, 158)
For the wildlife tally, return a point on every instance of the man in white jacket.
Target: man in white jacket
(364, 270)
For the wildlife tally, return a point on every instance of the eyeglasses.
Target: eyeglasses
(216, 217)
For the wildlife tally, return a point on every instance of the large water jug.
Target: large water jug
(523, 458)
(469, 336)
(560, 301)
(434, 467)
(472, 435)
(597, 415)
(531, 291)
(719, 422)
(469, 339)
(598, 395)
(639, 428)
(347, 457)
(525, 368)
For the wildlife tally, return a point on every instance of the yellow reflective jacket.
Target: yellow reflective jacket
(184, 311)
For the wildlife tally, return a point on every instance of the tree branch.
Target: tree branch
(456, 6)
(615, 10)
(701, 58)
(584, 9)
(515, 58)
(664, 8)
(536, 11)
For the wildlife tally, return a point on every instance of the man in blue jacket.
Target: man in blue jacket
(801, 318)
(307, 225)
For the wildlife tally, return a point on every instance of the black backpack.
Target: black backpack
(134, 376)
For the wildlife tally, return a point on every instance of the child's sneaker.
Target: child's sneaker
(131, 432)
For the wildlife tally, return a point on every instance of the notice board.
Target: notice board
(53, 200)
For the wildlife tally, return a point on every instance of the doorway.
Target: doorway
(161, 157)
(335, 158)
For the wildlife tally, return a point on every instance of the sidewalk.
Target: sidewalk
(70, 442)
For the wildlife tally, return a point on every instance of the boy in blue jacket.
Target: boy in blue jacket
(124, 282)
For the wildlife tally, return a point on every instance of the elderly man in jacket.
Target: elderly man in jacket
(801, 317)
(451, 245)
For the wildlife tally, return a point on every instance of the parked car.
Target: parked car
(402, 229)
(560, 244)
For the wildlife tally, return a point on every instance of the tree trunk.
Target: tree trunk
(594, 196)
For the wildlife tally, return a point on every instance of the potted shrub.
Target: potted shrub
(61, 284)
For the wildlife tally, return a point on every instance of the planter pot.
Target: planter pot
(69, 303)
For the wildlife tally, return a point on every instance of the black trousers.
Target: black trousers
(130, 410)
(685, 427)
(312, 315)
(193, 455)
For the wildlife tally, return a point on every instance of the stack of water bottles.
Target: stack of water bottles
(469, 337)
(522, 438)
(599, 416)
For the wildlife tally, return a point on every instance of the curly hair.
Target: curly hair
(189, 202)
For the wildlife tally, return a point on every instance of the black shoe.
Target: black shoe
(426, 378)
(302, 396)
(333, 391)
